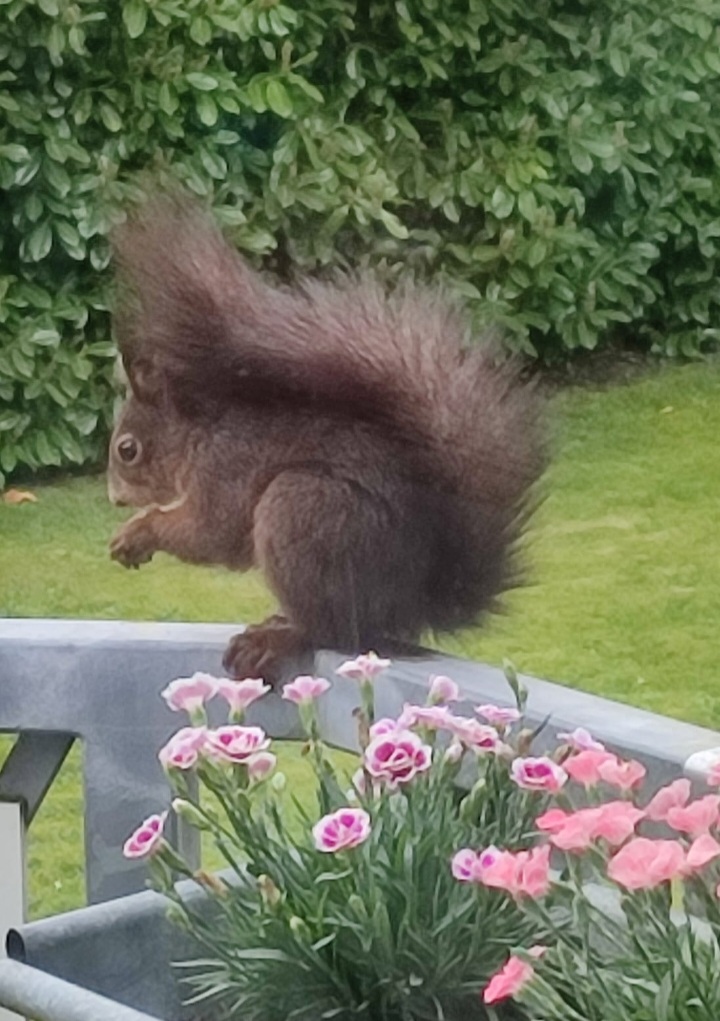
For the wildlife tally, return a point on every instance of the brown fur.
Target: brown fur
(341, 438)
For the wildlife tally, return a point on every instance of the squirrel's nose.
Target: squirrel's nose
(113, 496)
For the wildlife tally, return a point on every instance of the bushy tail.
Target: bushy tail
(218, 332)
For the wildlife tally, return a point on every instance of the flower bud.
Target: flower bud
(516, 686)
(298, 927)
(211, 883)
(278, 782)
(189, 813)
(453, 752)
(357, 905)
(178, 916)
(471, 802)
(524, 742)
(269, 892)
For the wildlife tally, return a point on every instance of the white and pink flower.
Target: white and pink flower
(384, 726)
(241, 694)
(261, 765)
(519, 873)
(434, 717)
(397, 757)
(581, 740)
(341, 830)
(305, 689)
(183, 749)
(147, 838)
(479, 737)
(538, 774)
(468, 866)
(443, 689)
(234, 743)
(189, 694)
(497, 715)
(363, 668)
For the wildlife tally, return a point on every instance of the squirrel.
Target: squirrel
(342, 437)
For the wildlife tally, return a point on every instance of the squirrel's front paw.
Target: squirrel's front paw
(133, 544)
(264, 650)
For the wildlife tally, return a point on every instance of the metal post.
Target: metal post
(12, 874)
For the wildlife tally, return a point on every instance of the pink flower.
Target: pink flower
(577, 832)
(146, 839)
(234, 743)
(475, 735)
(508, 982)
(305, 689)
(468, 866)
(643, 863)
(523, 874)
(342, 830)
(443, 689)
(533, 876)
(674, 795)
(498, 716)
(240, 694)
(363, 668)
(397, 757)
(261, 765)
(383, 726)
(434, 717)
(541, 774)
(584, 767)
(581, 740)
(616, 821)
(188, 694)
(697, 817)
(713, 776)
(552, 821)
(624, 775)
(183, 749)
(702, 850)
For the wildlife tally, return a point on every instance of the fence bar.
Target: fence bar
(12, 874)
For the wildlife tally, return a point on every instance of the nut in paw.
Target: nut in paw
(132, 545)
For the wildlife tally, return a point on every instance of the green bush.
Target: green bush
(556, 161)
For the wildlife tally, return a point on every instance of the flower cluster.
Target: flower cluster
(397, 818)
(608, 835)
(491, 879)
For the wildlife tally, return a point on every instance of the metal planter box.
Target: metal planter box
(107, 962)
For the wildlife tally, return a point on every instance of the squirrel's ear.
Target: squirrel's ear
(146, 383)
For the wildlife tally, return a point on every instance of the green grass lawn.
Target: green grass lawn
(625, 599)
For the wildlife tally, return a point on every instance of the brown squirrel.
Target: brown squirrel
(339, 436)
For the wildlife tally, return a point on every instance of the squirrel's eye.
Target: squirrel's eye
(128, 449)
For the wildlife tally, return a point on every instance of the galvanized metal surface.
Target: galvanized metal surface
(33, 994)
(12, 873)
(122, 949)
(103, 683)
(29, 770)
(100, 681)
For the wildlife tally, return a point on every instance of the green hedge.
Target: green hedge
(557, 161)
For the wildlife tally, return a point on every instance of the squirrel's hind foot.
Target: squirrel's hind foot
(265, 650)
